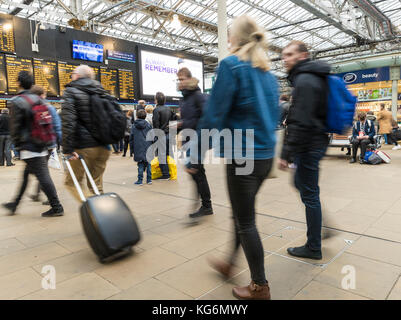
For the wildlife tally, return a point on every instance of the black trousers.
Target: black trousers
(126, 144)
(38, 167)
(202, 186)
(362, 144)
(242, 191)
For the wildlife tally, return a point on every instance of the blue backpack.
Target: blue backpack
(340, 106)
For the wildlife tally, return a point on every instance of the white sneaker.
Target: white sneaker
(397, 147)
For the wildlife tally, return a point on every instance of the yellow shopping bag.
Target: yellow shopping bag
(172, 168)
(156, 171)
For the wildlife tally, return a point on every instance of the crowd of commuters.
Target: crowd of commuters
(244, 96)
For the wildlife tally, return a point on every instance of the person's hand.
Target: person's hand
(282, 164)
(366, 137)
(72, 156)
(191, 170)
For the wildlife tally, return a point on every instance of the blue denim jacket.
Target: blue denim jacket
(244, 97)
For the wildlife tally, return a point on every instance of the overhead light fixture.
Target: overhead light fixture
(175, 23)
(7, 27)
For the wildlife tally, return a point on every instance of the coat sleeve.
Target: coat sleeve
(69, 120)
(56, 123)
(18, 121)
(372, 130)
(155, 119)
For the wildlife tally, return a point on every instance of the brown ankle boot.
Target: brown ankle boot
(252, 292)
(224, 268)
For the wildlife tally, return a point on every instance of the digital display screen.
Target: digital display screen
(13, 66)
(87, 51)
(109, 80)
(126, 84)
(159, 73)
(120, 56)
(64, 74)
(3, 77)
(7, 43)
(3, 104)
(45, 75)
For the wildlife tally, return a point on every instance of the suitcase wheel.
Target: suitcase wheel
(120, 254)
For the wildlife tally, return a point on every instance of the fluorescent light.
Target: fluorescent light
(176, 23)
(7, 27)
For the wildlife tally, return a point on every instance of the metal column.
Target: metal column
(222, 28)
(394, 77)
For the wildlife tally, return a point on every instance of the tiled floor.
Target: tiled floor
(361, 251)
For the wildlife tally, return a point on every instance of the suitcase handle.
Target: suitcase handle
(74, 178)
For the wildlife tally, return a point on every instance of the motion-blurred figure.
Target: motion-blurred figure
(307, 139)
(245, 95)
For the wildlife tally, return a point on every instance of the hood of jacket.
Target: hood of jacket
(87, 85)
(189, 86)
(319, 68)
(140, 124)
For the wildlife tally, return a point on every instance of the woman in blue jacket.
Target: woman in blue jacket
(245, 96)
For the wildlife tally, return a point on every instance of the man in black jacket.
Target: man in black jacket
(191, 106)
(5, 139)
(77, 127)
(162, 115)
(34, 154)
(307, 139)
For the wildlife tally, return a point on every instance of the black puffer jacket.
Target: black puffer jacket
(75, 114)
(306, 121)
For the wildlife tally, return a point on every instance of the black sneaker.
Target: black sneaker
(163, 178)
(54, 212)
(352, 160)
(203, 211)
(305, 252)
(11, 206)
(11, 165)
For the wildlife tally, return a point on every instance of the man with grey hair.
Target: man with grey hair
(5, 138)
(77, 126)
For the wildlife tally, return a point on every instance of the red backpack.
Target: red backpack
(42, 132)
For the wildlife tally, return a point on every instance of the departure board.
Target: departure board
(13, 66)
(126, 84)
(3, 103)
(7, 43)
(45, 75)
(64, 74)
(3, 78)
(96, 70)
(108, 79)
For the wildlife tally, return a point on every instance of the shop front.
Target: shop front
(373, 87)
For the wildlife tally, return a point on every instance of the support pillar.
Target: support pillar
(394, 77)
(222, 28)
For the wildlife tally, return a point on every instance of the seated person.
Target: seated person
(395, 135)
(362, 135)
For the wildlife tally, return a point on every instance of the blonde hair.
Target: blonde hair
(250, 42)
(149, 109)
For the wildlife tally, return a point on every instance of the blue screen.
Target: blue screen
(87, 51)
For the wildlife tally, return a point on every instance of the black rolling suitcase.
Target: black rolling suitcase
(107, 221)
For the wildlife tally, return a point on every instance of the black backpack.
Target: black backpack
(108, 120)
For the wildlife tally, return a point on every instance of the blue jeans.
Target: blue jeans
(142, 166)
(307, 183)
(119, 146)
